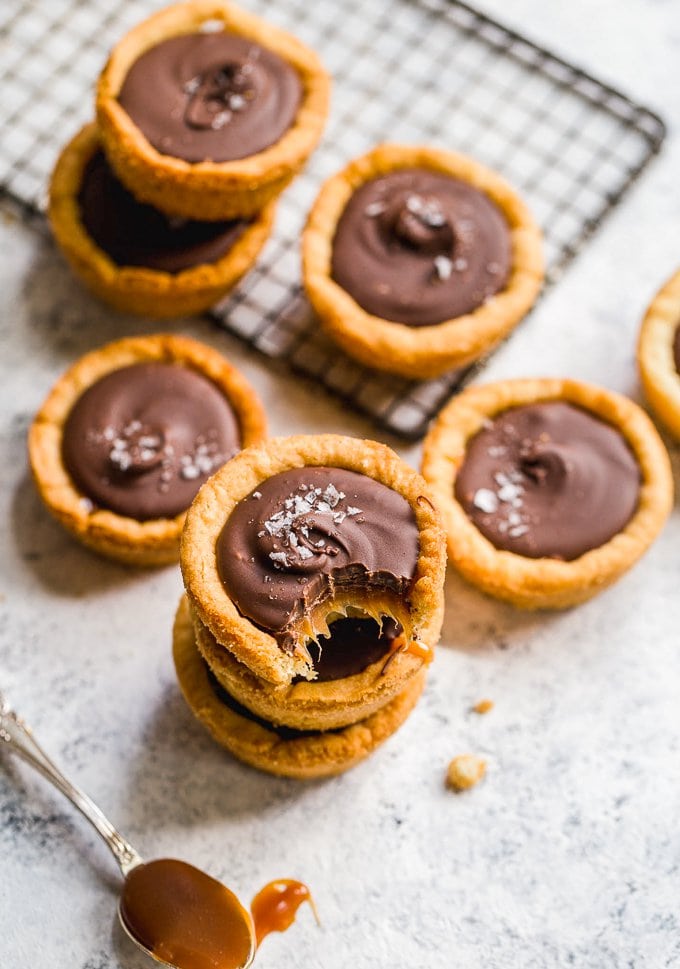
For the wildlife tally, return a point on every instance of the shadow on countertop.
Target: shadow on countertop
(57, 560)
(181, 777)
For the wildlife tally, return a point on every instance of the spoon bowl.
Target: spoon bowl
(184, 918)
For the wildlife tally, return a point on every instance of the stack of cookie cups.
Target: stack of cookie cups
(314, 571)
(205, 113)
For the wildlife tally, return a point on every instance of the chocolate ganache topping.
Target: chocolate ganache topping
(676, 349)
(307, 532)
(548, 480)
(143, 439)
(419, 247)
(133, 234)
(211, 96)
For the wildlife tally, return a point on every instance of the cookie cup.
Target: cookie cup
(318, 753)
(137, 289)
(308, 705)
(545, 583)
(141, 543)
(209, 190)
(420, 615)
(659, 375)
(418, 351)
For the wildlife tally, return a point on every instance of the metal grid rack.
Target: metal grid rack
(434, 71)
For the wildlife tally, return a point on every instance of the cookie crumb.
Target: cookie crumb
(465, 771)
(483, 706)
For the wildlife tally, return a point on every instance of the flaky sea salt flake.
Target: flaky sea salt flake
(375, 208)
(486, 500)
(332, 495)
(443, 267)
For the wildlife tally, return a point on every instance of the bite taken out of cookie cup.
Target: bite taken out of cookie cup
(291, 615)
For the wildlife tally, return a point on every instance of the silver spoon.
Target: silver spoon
(18, 738)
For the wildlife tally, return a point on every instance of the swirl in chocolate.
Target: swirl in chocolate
(548, 480)
(211, 96)
(133, 234)
(307, 532)
(676, 349)
(420, 247)
(143, 439)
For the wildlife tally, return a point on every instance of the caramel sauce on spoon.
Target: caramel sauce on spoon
(186, 918)
(189, 920)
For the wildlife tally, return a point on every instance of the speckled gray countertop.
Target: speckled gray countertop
(567, 854)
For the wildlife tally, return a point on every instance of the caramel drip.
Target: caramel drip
(275, 906)
(185, 917)
(420, 651)
(414, 647)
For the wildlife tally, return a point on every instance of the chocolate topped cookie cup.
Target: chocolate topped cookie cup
(418, 260)
(128, 435)
(133, 256)
(550, 489)
(300, 533)
(207, 112)
(658, 354)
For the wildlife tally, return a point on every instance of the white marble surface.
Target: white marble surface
(567, 854)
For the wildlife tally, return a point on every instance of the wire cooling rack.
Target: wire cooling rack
(434, 71)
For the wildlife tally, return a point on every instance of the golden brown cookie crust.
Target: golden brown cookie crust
(256, 649)
(149, 543)
(545, 583)
(320, 755)
(660, 378)
(136, 289)
(308, 705)
(209, 190)
(423, 351)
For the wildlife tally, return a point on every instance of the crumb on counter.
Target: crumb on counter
(465, 771)
(483, 706)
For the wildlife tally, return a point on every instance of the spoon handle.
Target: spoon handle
(18, 737)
